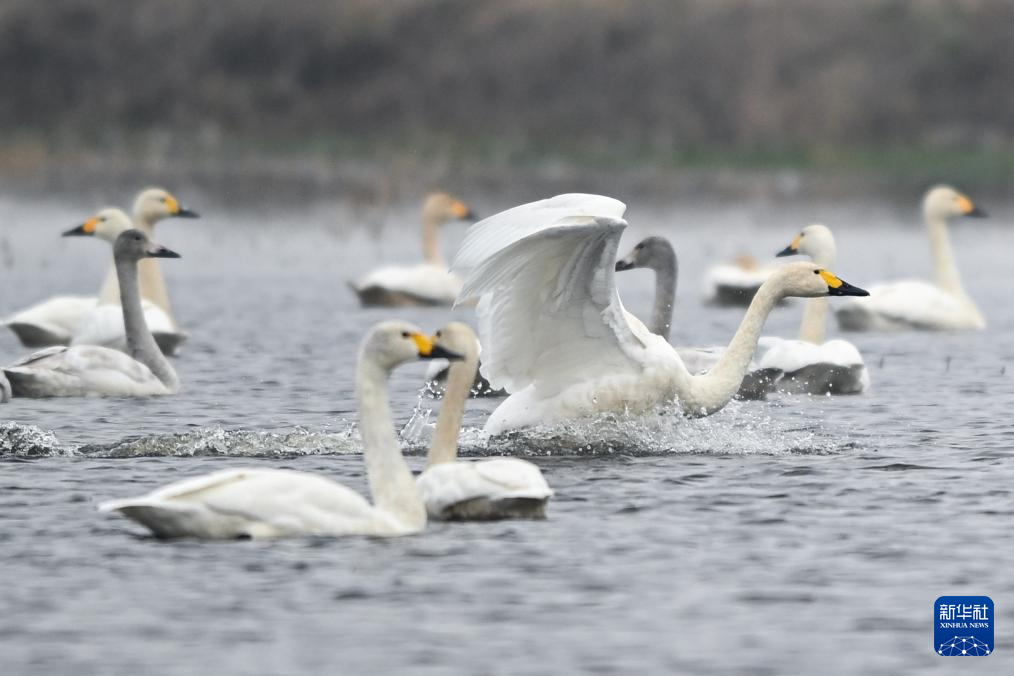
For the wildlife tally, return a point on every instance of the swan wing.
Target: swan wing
(103, 325)
(450, 483)
(52, 320)
(81, 370)
(793, 355)
(548, 309)
(255, 503)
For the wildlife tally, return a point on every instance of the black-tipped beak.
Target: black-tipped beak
(159, 251)
(976, 212)
(624, 264)
(471, 216)
(79, 231)
(441, 352)
(846, 289)
(186, 213)
(787, 251)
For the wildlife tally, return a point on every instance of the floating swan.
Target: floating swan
(264, 503)
(428, 283)
(557, 337)
(54, 322)
(656, 254)
(494, 488)
(810, 365)
(915, 304)
(734, 284)
(93, 370)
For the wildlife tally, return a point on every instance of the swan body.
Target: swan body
(57, 320)
(481, 490)
(268, 503)
(912, 304)
(556, 335)
(657, 255)
(734, 284)
(84, 370)
(103, 326)
(427, 283)
(810, 365)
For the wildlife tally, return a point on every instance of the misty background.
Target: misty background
(377, 98)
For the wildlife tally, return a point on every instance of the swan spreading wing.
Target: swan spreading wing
(548, 309)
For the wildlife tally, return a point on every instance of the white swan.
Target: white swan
(657, 254)
(556, 335)
(494, 488)
(915, 304)
(428, 283)
(810, 365)
(264, 503)
(92, 370)
(54, 322)
(734, 284)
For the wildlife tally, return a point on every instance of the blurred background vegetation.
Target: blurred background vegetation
(890, 90)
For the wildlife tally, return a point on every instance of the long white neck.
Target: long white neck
(391, 482)
(152, 284)
(813, 328)
(665, 296)
(140, 343)
(948, 278)
(431, 241)
(713, 390)
(444, 447)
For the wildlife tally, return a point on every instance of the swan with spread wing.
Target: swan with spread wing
(556, 335)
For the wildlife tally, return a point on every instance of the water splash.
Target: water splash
(29, 441)
(231, 443)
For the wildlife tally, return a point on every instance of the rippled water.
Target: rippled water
(800, 535)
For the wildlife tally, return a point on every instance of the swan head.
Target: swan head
(650, 252)
(808, 280)
(107, 224)
(133, 245)
(458, 337)
(441, 208)
(815, 241)
(155, 204)
(944, 202)
(392, 343)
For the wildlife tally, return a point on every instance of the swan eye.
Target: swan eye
(816, 272)
(406, 334)
(439, 333)
(162, 200)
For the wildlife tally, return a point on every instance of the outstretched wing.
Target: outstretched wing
(549, 314)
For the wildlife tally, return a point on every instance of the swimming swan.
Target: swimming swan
(915, 304)
(266, 503)
(428, 283)
(53, 322)
(657, 254)
(83, 370)
(810, 365)
(481, 490)
(556, 335)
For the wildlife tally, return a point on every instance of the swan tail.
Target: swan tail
(37, 335)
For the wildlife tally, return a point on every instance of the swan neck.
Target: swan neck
(813, 328)
(392, 485)
(141, 344)
(460, 379)
(431, 241)
(948, 278)
(713, 390)
(665, 296)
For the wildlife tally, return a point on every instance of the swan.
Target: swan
(557, 337)
(494, 488)
(734, 284)
(53, 322)
(83, 370)
(103, 325)
(268, 503)
(428, 283)
(657, 254)
(915, 304)
(810, 365)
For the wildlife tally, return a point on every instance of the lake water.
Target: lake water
(799, 535)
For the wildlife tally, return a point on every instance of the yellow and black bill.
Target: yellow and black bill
(970, 208)
(429, 349)
(839, 287)
(792, 249)
(86, 229)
